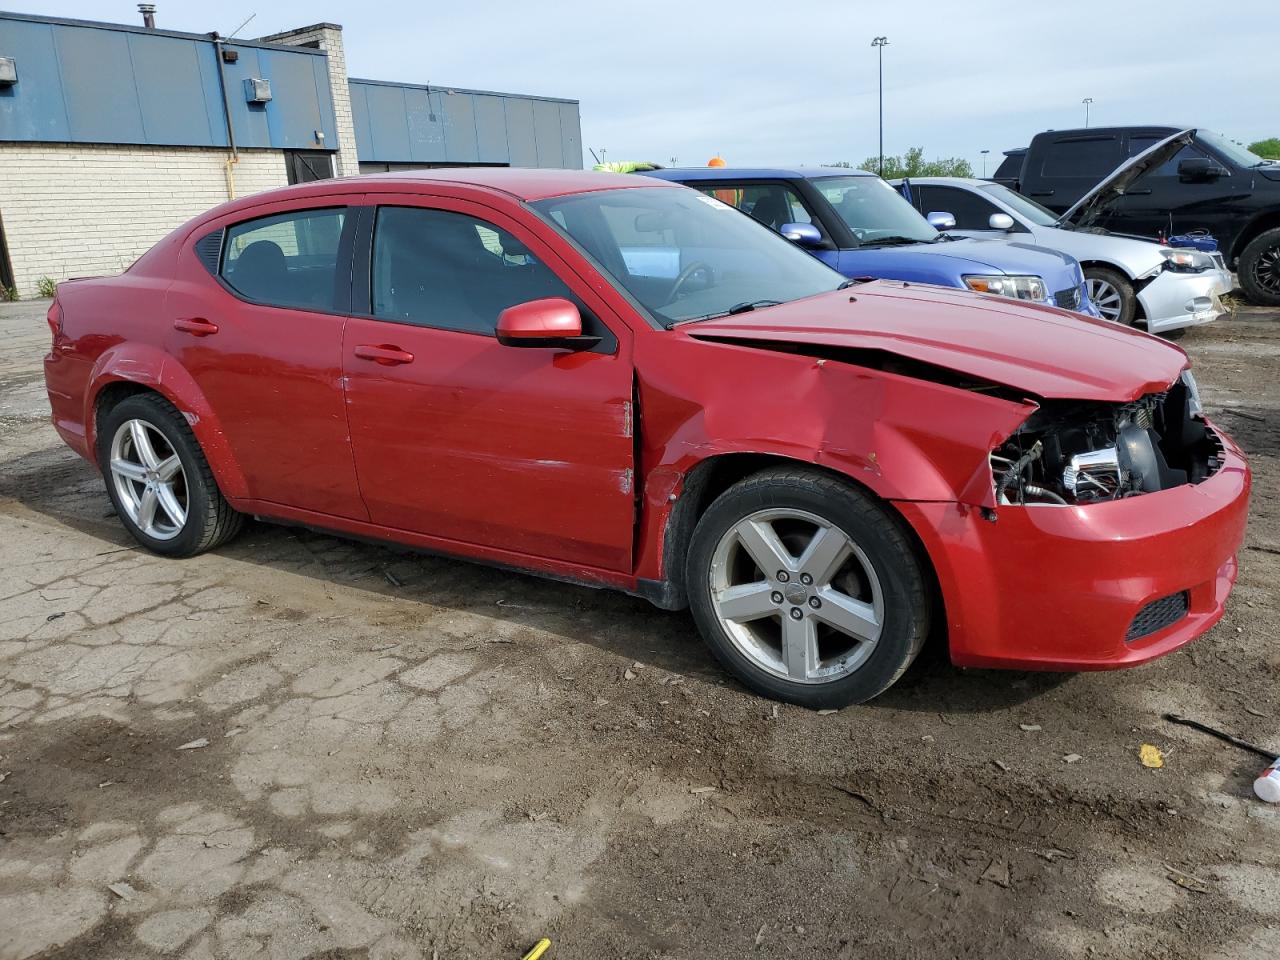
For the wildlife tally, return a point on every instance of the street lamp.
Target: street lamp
(880, 43)
(1086, 101)
(984, 163)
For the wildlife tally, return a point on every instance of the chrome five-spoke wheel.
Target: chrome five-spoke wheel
(796, 596)
(150, 483)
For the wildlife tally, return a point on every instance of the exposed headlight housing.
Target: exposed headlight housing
(1181, 260)
(1021, 288)
(1194, 407)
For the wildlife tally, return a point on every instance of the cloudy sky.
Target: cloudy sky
(796, 82)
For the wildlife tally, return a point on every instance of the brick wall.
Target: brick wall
(73, 210)
(328, 37)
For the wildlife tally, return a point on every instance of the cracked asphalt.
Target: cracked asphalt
(413, 757)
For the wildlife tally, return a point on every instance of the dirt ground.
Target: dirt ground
(417, 757)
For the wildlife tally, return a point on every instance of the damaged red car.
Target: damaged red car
(619, 382)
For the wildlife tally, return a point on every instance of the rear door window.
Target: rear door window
(1088, 157)
(286, 260)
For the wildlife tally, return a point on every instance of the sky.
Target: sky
(762, 83)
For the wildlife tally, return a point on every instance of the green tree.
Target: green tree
(913, 164)
(1268, 149)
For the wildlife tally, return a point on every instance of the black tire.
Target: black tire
(882, 537)
(1259, 269)
(210, 520)
(1123, 290)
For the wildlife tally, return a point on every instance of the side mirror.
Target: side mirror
(553, 322)
(1200, 170)
(1000, 221)
(804, 234)
(941, 222)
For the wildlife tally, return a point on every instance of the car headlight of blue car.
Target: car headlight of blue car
(1021, 288)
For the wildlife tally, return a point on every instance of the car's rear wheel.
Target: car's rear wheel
(1112, 293)
(1259, 269)
(807, 589)
(159, 480)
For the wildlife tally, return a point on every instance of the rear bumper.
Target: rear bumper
(1058, 588)
(1173, 301)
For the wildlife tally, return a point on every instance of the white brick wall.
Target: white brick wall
(328, 37)
(72, 210)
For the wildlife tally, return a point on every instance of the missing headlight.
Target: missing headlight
(1078, 452)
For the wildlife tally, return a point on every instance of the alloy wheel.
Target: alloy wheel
(1266, 270)
(1105, 297)
(796, 595)
(150, 482)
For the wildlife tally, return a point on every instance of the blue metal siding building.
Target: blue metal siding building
(83, 82)
(108, 83)
(400, 123)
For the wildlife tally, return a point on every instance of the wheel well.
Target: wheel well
(712, 477)
(1138, 312)
(112, 395)
(1268, 221)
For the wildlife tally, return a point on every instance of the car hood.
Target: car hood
(971, 255)
(1136, 255)
(1089, 207)
(1040, 351)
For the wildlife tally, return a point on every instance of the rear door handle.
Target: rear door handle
(1041, 193)
(383, 353)
(196, 326)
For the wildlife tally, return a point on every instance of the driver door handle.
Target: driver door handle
(383, 353)
(196, 326)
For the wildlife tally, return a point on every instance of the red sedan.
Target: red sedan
(621, 382)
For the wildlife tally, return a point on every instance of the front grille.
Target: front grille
(1157, 615)
(1068, 299)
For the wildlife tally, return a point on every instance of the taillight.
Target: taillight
(55, 319)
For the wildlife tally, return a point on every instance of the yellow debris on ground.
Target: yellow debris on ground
(1151, 756)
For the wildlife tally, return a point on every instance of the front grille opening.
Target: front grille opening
(1157, 615)
(1068, 299)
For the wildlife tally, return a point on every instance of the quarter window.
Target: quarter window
(435, 268)
(289, 260)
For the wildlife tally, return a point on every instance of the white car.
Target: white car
(1129, 279)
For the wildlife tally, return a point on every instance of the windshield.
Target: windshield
(874, 211)
(687, 256)
(1040, 216)
(1233, 152)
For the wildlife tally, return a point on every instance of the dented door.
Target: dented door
(458, 437)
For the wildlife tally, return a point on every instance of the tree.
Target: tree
(913, 164)
(1268, 149)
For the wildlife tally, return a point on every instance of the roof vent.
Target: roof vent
(148, 11)
(8, 71)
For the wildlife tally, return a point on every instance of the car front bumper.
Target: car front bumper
(1059, 588)
(1173, 301)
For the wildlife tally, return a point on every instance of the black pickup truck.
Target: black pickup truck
(1209, 184)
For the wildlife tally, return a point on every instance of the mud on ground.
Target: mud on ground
(416, 757)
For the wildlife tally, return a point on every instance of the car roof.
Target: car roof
(685, 174)
(1106, 131)
(522, 184)
(945, 181)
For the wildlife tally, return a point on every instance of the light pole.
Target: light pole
(984, 163)
(1086, 101)
(880, 43)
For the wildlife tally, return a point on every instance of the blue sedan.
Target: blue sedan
(858, 224)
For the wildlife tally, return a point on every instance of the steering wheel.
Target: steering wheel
(683, 277)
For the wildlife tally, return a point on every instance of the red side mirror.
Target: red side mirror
(553, 322)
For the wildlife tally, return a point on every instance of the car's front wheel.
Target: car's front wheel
(1112, 293)
(159, 480)
(807, 589)
(1259, 269)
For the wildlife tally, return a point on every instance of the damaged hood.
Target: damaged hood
(1094, 203)
(1039, 351)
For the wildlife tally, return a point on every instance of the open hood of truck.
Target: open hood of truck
(1038, 351)
(1094, 203)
